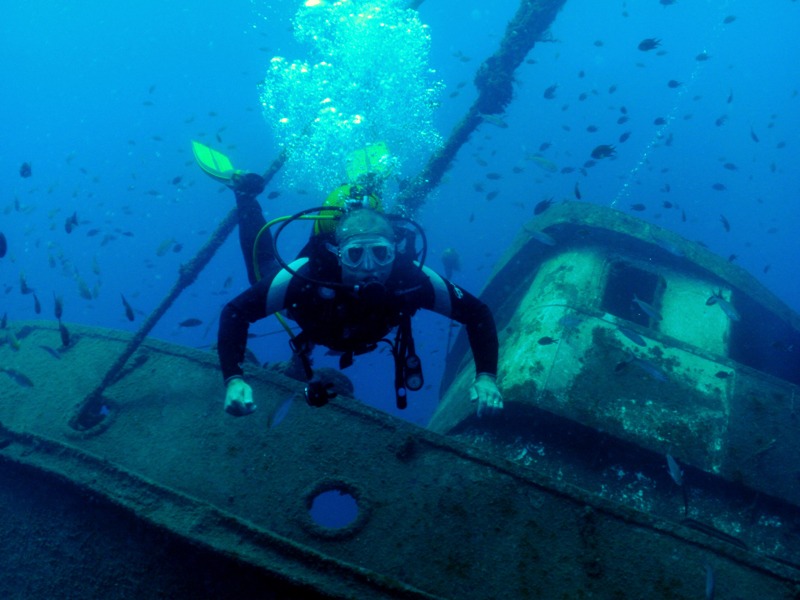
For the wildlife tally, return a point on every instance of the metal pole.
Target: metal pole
(494, 80)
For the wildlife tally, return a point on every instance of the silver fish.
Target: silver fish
(674, 470)
(717, 298)
(281, 412)
(646, 308)
(710, 582)
(540, 236)
(651, 369)
(632, 335)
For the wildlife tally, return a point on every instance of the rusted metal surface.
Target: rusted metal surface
(438, 517)
(716, 393)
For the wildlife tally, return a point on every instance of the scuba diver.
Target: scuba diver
(358, 278)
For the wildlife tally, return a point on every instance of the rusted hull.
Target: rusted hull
(437, 518)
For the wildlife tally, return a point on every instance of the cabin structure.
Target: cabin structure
(622, 343)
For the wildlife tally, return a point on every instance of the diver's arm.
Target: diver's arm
(234, 323)
(459, 305)
(451, 301)
(262, 299)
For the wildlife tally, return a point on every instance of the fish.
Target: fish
(675, 471)
(12, 340)
(648, 309)
(638, 207)
(272, 195)
(83, 289)
(25, 170)
(542, 206)
(176, 180)
(451, 261)
(672, 83)
(650, 368)
(577, 191)
(710, 583)
(4, 321)
(669, 247)
(702, 57)
(730, 166)
(546, 341)
(725, 223)
(603, 151)
(550, 92)
(190, 323)
(71, 222)
(570, 322)
(494, 176)
(648, 44)
(727, 307)
(624, 137)
(543, 163)
(23, 285)
(753, 135)
(730, 97)
(540, 236)
(51, 351)
(37, 306)
(3, 244)
(64, 332)
(722, 374)
(729, 19)
(494, 120)
(164, 246)
(632, 335)
(128, 310)
(19, 378)
(719, 187)
(281, 412)
(59, 306)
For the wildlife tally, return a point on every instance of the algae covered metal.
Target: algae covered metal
(167, 494)
(630, 343)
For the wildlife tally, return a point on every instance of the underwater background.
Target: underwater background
(103, 101)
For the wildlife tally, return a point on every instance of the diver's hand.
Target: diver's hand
(239, 398)
(484, 390)
(247, 184)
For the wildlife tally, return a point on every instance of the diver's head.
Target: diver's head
(366, 247)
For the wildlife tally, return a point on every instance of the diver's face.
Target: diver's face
(365, 258)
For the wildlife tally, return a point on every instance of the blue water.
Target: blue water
(104, 100)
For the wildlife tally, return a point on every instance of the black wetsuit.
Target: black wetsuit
(338, 318)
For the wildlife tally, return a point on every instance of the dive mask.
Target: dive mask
(367, 252)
